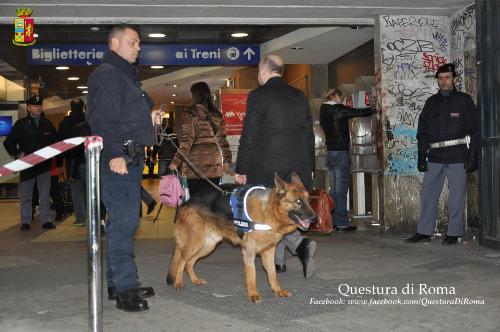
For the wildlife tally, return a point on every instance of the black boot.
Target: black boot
(417, 237)
(129, 300)
(306, 251)
(450, 240)
(280, 268)
(151, 206)
(142, 292)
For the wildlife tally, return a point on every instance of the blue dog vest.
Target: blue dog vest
(242, 220)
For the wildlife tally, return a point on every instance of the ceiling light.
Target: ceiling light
(35, 35)
(157, 67)
(296, 48)
(73, 78)
(156, 35)
(62, 67)
(85, 91)
(172, 102)
(176, 85)
(81, 87)
(174, 95)
(239, 34)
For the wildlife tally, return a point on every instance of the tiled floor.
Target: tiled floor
(66, 231)
(44, 284)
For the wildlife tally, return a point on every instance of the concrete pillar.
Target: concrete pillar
(408, 51)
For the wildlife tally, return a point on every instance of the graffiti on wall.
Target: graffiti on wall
(463, 49)
(412, 48)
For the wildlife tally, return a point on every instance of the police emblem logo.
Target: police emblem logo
(24, 28)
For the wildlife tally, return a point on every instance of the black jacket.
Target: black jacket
(167, 150)
(277, 135)
(447, 118)
(27, 137)
(74, 125)
(333, 118)
(118, 108)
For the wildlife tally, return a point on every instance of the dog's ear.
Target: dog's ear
(296, 179)
(279, 184)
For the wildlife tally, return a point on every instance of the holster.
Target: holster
(134, 152)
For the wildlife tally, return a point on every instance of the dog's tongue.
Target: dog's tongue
(304, 223)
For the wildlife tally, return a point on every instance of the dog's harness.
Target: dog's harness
(242, 220)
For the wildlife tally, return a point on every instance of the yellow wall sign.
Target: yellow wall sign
(24, 28)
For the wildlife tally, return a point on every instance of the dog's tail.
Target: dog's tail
(174, 265)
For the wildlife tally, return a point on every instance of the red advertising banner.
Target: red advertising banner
(233, 108)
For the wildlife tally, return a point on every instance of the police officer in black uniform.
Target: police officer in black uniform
(119, 112)
(448, 145)
(28, 135)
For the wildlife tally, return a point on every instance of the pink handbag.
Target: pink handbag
(171, 191)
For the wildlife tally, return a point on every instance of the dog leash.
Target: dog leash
(160, 131)
(196, 170)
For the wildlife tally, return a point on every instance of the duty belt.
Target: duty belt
(133, 152)
(459, 141)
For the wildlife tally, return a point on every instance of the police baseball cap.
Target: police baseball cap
(446, 68)
(35, 100)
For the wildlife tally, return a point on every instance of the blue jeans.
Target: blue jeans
(121, 194)
(339, 167)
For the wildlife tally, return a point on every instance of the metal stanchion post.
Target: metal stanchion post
(93, 146)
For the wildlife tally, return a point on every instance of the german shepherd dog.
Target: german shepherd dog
(205, 222)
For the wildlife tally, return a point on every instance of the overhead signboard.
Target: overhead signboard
(151, 54)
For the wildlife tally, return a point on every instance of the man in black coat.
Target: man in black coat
(119, 111)
(75, 125)
(28, 135)
(278, 137)
(448, 148)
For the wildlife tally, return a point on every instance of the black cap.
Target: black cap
(35, 100)
(446, 68)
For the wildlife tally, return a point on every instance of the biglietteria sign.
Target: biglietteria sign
(151, 54)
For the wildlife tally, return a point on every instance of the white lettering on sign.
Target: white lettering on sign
(195, 54)
(52, 54)
(181, 54)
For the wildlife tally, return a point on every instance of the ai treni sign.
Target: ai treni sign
(151, 54)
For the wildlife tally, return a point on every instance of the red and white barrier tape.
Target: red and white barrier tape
(48, 152)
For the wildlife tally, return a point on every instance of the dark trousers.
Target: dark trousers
(429, 198)
(163, 166)
(146, 196)
(121, 194)
(199, 185)
(56, 196)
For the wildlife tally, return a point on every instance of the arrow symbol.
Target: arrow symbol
(249, 52)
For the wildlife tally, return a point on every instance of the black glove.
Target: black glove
(470, 164)
(422, 163)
